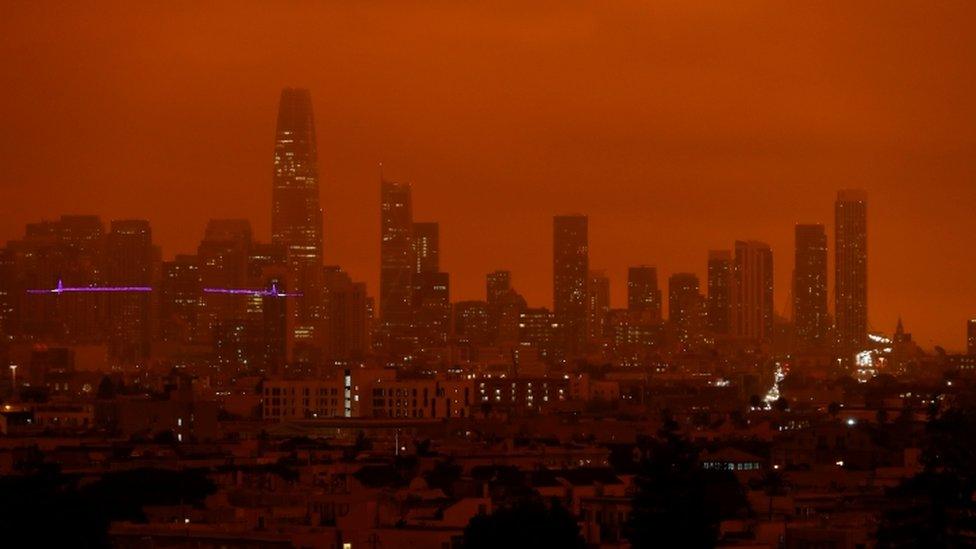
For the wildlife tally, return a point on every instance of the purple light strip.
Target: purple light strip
(270, 292)
(62, 289)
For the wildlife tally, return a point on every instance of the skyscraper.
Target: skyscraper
(851, 269)
(426, 245)
(752, 291)
(598, 304)
(348, 333)
(684, 305)
(397, 262)
(130, 262)
(721, 270)
(810, 285)
(570, 274)
(223, 263)
(497, 285)
(432, 308)
(296, 217)
(643, 293)
(180, 299)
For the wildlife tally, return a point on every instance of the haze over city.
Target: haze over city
(399, 275)
(676, 128)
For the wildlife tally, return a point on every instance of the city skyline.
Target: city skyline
(653, 167)
(413, 253)
(586, 275)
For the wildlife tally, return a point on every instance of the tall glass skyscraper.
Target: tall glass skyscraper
(810, 285)
(296, 216)
(752, 291)
(571, 267)
(851, 269)
(721, 272)
(397, 258)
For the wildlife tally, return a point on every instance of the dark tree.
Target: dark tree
(933, 509)
(529, 524)
(677, 503)
(31, 504)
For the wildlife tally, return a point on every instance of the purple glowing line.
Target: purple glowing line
(62, 289)
(270, 292)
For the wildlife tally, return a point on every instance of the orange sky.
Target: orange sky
(677, 126)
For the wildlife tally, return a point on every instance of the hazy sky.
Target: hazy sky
(677, 126)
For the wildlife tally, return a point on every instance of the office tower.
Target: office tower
(33, 262)
(471, 322)
(397, 263)
(642, 291)
(296, 217)
(348, 318)
(540, 330)
(180, 300)
(598, 304)
(426, 243)
(971, 336)
(432, 308)
(222, 257)
(851, 269)
(570, 273)
(269, 323)
(497, 284)
(685, 306)
(130, 261)
(80, 254)
(752, 291)
(70, 250)
(721, 269)
(810, 285)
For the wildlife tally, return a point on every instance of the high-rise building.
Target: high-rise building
(471, 322)
(851, 269)
(81, 255)
(752, 291)
(426, 245)
(810, 285)
(296, 217)
(432, 308)
(540, 330)
(397, 263)
(643, 293)
(498, 282)
(721, 270)
(180, 299)
(971, 336)
(598, 304)
(685, 306)
(131, 260)
(348, 317)
(222, 257)
(570, 275)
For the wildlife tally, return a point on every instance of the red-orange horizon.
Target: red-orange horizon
(677, 128)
